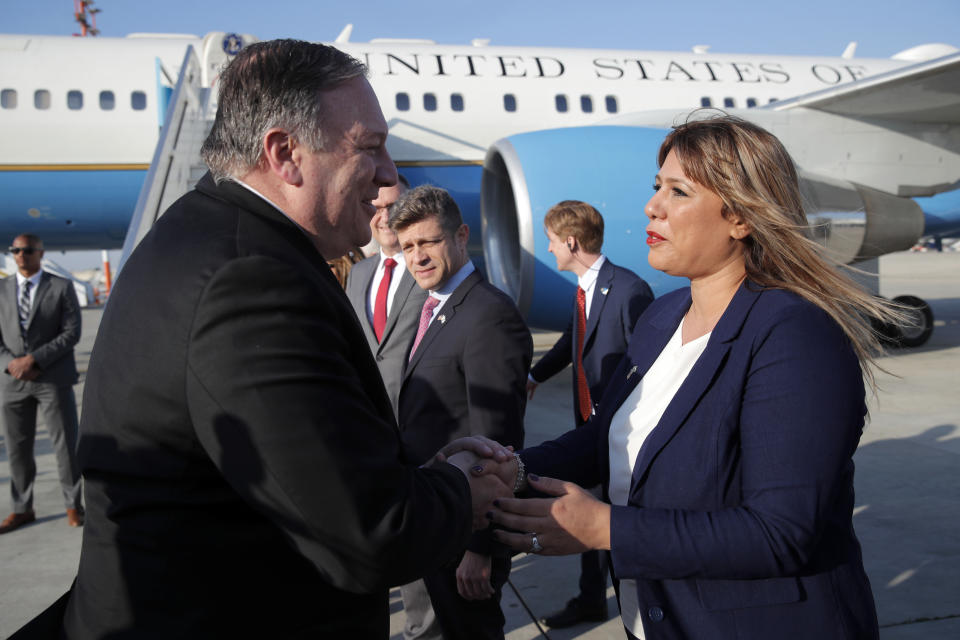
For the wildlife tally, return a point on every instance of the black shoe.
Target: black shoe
(575, 613)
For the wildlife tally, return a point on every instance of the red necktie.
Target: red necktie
(583, 391)
(380, 305)
(426, 314)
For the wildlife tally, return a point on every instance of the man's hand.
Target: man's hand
(23, 368)
(484, 487)
(482, 446)
(473, 577)
(572, 522)
(531, 387)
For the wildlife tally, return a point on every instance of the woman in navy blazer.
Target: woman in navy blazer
(737, 519)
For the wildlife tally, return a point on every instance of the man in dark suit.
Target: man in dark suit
(40, 324)
(385, 296)
(244, 472)
(465, 376)
(608, 301)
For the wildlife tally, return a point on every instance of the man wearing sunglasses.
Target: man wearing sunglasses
(39, 326)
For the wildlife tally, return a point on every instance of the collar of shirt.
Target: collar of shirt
(35, 279)
(588, 279)
(450, 286)
(397, 257)
(268, 201)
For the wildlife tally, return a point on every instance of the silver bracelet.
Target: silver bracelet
(521, 482)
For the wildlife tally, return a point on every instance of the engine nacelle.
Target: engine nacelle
(613, 168)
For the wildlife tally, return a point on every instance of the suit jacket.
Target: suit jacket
(739, 521)
(244, 474)
(53, 329)
(467, 376)
(391, 352)
(619, 297)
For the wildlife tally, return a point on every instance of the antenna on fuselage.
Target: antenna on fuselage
(82, 10)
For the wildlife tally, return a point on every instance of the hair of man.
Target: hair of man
(424, 202)
(277, 83)
(578, 219)
(755, 177)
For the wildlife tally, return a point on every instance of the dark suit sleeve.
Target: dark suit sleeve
(280, 406)
(800, 418)
(69, 333)
(495, 363)
(559, 356)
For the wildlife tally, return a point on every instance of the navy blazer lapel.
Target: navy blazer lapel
(699, 378)
(445, 316)
(600, 290)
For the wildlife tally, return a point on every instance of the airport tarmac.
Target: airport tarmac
(907, 482)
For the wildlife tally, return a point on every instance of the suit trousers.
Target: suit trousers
(593, 572)
(420, 620)
(462, 619)
(58, 407)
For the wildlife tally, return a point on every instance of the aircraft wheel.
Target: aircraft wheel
(921, 328)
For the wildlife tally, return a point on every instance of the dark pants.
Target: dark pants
(466, 619)
(593, 579)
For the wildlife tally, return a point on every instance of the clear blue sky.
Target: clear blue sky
(803, 27)
(800, 27)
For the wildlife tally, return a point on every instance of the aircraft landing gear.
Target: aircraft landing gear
(914, 334)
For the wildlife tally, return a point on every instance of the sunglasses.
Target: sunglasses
(27, 251)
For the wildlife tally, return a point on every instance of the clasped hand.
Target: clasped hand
(23, 368)
(572, 521)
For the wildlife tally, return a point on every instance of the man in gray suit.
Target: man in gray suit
(385, 296)
(40, 324)
(387, 300)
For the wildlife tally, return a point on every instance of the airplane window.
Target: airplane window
(41, 99)
(74, 99)
(772, 100)
(509, 102)
(456, 102)
(429, 102)
(586, 104)
(751, 102)
(8, 98)
(561, 101)
(107, 101)
(728, 102)
(612, 106)
(706, 102)
(403, 102)
(138, 100)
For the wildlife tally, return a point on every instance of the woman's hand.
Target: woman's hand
(572, 522)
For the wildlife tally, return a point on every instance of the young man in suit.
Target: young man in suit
(608, 301)
(465, 375)
(244, 472)
(40, 324)
(385, 296)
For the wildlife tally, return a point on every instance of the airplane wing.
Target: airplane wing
(924, 92)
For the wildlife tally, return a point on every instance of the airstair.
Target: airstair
(176, 166)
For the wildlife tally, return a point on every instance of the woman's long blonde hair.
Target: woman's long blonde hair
(755, 177)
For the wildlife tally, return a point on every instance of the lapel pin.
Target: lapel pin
(442, 318)
(604, 291)
(632, 371)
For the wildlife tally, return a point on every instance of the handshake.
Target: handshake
(565, 519)
(491, 469)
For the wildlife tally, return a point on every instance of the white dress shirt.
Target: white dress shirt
(443, 293)
(398, 270)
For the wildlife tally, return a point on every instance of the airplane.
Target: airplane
(509, 131)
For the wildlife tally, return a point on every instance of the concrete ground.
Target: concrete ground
(908, 490)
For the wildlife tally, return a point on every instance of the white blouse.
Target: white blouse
(629, 428)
